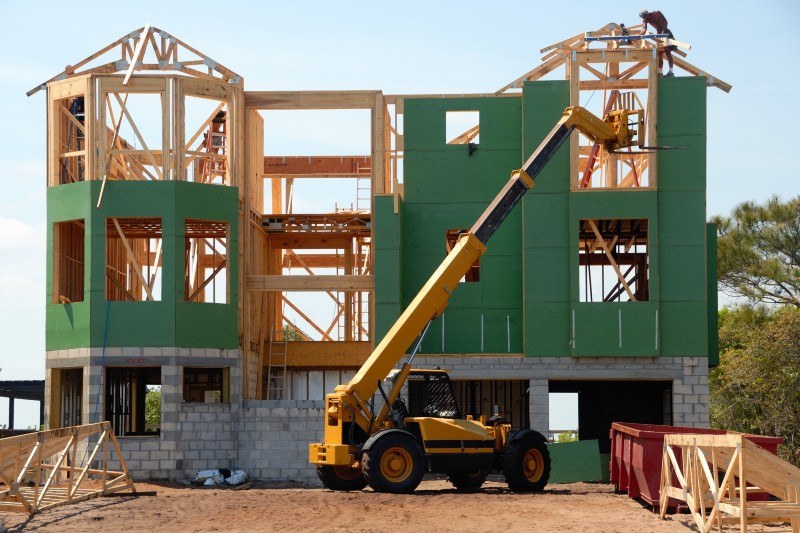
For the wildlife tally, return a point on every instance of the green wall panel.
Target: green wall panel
(387, 225)
(681, 218)
(446, 176)
(385, 317)
(682, 106)
(711, 291)
(543, 103)
(501, 282)
(683, 169)
(547, 275)
(462, 327)
(142, 323)
(424, 123)
(683, 273)
(502, 330)
(611, 328)
(66, 325)
(574, 461)
(547, 329)
(683, 329)
(682, 122)
(545, 220)
(609, 204)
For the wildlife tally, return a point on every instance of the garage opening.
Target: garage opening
(602, 402)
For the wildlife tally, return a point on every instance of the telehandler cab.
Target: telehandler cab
(391, 449)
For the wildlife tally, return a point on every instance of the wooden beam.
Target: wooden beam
(309, 283)
(611, 260)
(599, 85)
(316, 354)
(317, 166)
(310, 99)
(309, 241)
(712, 80)
(132, 259)
(137, 53)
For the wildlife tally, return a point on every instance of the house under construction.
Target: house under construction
(176, 261)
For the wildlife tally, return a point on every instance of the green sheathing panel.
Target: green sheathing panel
(206, 324)
(614, 328)
(711, 290)
(575, 461)
(683, 244)
(67, 325)
(545, 222)
(386, 263)
(446, 188)
(141, 323)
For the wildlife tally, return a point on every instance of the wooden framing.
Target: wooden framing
(717, 474)
(628, 68)
(339, 240)
(107, 142)
(46, 469)
(610, 245)
(167, 53)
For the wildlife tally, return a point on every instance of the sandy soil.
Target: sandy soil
(434, 507)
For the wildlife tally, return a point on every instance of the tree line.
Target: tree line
(756, 386)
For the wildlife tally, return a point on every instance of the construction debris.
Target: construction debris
(221, 477)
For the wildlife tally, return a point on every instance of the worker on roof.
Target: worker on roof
(658, 21)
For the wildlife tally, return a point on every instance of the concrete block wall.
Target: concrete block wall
(689, 376)
(274, 437)
(269, 439)
(194, 436)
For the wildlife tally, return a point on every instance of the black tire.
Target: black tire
(467, 481)
(394, 464)
(341, 477)
(526, 464)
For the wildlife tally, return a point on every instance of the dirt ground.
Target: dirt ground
(434, 507)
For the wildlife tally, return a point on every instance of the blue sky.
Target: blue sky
(412, 47)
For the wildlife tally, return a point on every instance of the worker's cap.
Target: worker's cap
(643, 13)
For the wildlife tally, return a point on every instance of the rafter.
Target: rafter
(177, 56)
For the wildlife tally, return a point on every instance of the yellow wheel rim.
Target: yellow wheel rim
(347, 473)
(533, 464)
(396, 464)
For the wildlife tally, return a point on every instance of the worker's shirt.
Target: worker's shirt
(657, 20)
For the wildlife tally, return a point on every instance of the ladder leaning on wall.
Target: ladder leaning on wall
(276, 366)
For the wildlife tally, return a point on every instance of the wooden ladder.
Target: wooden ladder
(276, 366)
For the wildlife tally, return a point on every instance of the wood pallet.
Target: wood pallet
(713, 473)
(51, 468)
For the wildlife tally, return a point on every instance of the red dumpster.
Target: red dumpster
(636, 451)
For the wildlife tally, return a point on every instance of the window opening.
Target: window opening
(68, 261)
(133, 259)
(613, 260)
(133, 400)
(206, 385)
(70, 139)
(206, 126)
(66, 397)
(207, 259)
(462, 127)
(134, 136)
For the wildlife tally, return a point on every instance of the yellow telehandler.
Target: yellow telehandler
(391, 449)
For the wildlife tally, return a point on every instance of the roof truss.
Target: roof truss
(147, 48)
(610, 38)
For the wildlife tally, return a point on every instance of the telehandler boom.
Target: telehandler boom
(391, 449)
